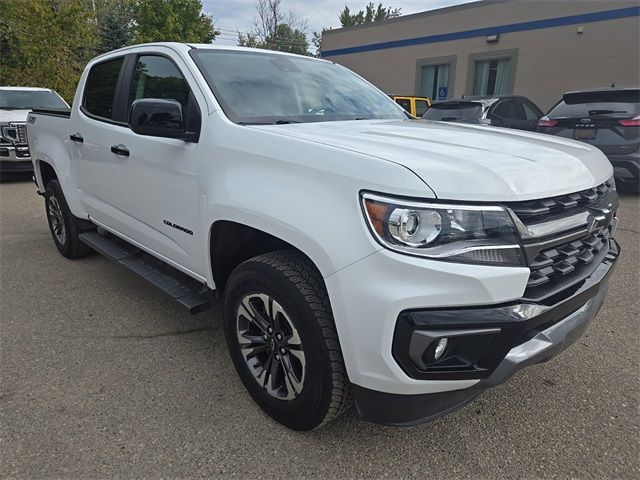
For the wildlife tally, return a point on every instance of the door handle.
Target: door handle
(120, 150)
(76, 137)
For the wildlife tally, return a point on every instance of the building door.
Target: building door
(433, 78)
(492, 77)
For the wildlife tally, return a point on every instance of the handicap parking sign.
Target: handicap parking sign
(442, 92)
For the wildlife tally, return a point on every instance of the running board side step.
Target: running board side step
(184, 290)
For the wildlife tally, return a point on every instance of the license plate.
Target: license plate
(584, 133)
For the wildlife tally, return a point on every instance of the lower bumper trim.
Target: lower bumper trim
(540, 346)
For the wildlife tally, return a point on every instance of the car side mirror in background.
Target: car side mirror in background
(158, 118)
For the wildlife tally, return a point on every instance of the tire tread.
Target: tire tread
(303, 274)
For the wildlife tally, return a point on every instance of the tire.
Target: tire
(284, 291)
(64, 226)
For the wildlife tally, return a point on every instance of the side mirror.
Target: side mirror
(157, 118)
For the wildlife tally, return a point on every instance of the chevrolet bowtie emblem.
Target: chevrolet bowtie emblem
(600, 220)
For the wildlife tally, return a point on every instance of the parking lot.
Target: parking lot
(101, 376)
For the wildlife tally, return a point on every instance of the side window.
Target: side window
(531, 111)
(509, 109)
(501, 110)
(100, 88)
(404, 103)
(421, 107)
(158, 77)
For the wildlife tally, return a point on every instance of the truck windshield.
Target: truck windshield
(28, 99)
(269, 88)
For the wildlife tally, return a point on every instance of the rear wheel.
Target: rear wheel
(283, 342)
(64, 226)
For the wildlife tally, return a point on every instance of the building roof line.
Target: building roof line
(484, 31)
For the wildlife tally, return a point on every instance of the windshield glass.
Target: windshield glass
(28, 99)
(454, 112)
(267, 88)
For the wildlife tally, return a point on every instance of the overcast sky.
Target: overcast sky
(233, 15)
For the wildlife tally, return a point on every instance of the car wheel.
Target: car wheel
(64, 226)
(283, 342)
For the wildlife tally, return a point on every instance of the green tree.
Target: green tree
(316, 41)
(370, 14)
(287, 39)
(172, 21)
(114, 19)
(46, 44)
(275, 29)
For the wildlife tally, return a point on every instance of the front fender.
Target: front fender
(304, 193)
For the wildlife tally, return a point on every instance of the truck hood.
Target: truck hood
(467, 162)
(7, 116)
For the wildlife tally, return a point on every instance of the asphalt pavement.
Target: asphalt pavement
(103, 377)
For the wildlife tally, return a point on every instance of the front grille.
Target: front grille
(537, 208)
(564, 258)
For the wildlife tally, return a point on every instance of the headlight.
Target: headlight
(483, 234)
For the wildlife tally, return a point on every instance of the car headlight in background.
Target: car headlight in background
(482, 234)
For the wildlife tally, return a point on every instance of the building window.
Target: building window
(435, 81)
(492, 77)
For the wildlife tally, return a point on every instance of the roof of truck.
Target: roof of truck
(184, 47)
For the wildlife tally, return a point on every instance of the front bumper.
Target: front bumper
(541, 332)
(15, 158)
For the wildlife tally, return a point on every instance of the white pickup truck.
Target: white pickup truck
(402, 266)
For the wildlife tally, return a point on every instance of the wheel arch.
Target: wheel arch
(46, 170)
(231, 243)
(45, 173)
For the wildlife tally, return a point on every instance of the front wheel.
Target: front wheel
(283, 342)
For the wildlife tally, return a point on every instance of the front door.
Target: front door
(157, 178)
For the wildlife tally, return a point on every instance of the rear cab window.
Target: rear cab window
(454, 111)
(100, 89)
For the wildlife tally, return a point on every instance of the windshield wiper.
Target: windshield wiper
(284, 122)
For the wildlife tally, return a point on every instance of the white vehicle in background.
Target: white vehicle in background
(402, 265)
(15, 104)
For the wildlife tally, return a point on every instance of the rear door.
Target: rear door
(91, 130)
(602, 118)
